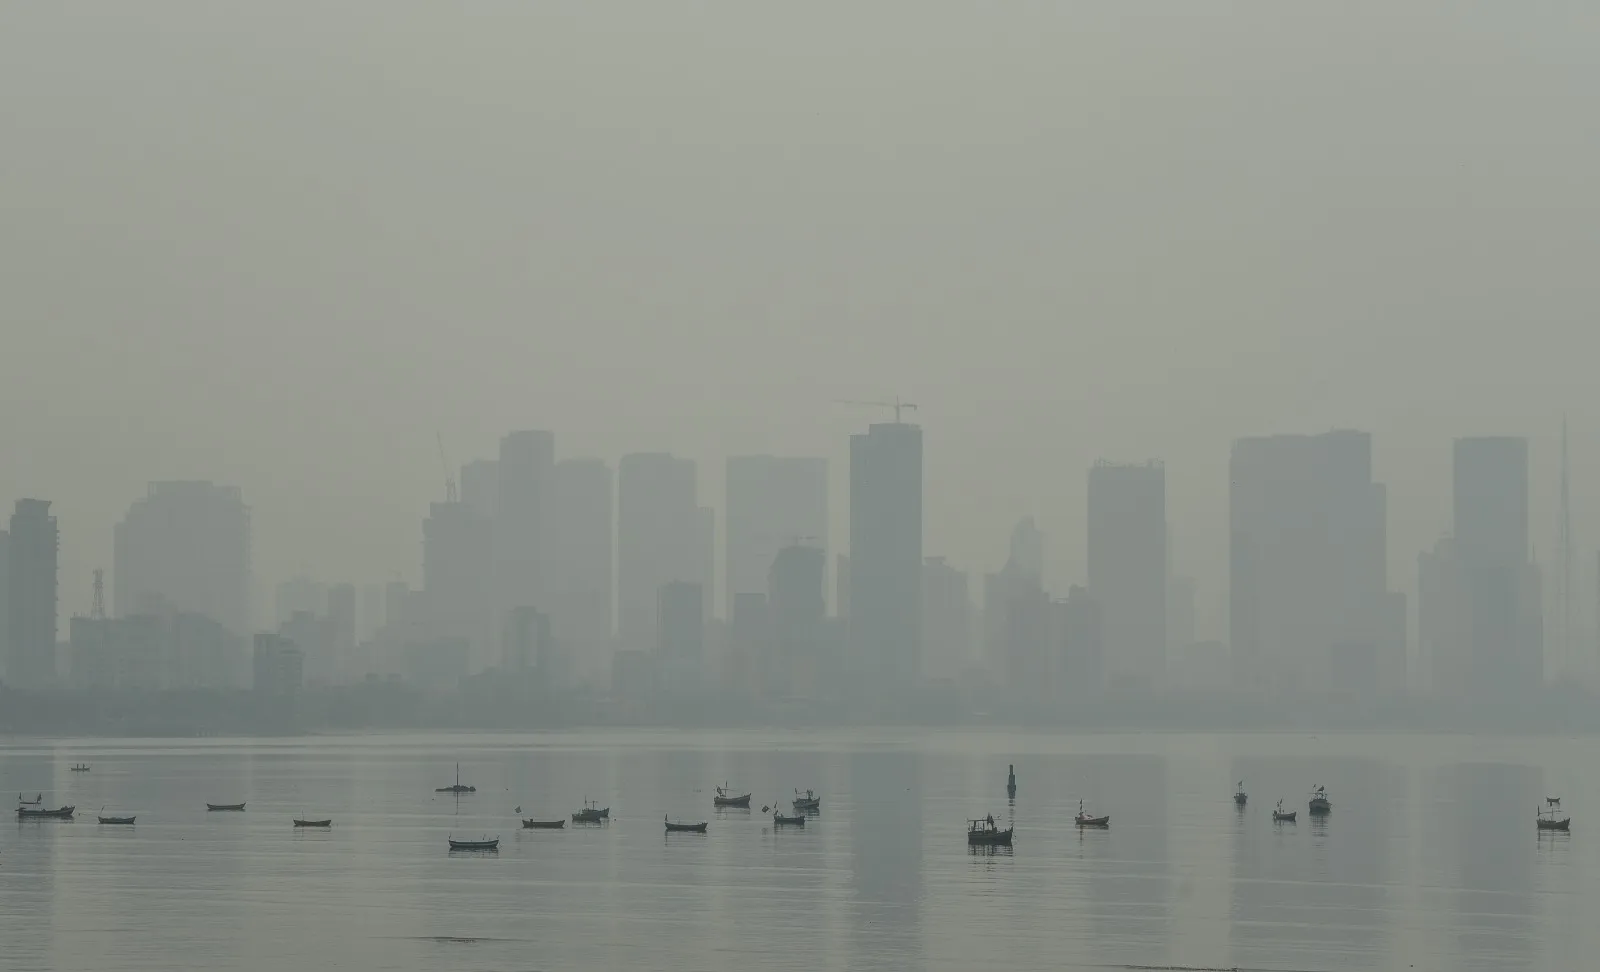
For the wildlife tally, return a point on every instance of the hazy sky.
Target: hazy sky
(283, 244)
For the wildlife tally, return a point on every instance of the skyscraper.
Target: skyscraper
(946, 620)
(1307, 559)
(580, 538)
(480, 486)
(886, 556)
(1127, 561)
(185, 546)
(798, 611)
(527, 466)
(659, 535)
(457, 551)
(1501, 587)
(680, 631)
(31, 583)
(772, 502)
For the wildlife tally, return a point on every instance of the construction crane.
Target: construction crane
(897, 405)
(449, 480)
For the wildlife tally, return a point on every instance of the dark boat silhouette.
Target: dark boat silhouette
(116, 820)
(485, 844)
(810, 803)
(591, 813)
(544, 824)
(684, 828)
(235, 807)
(457, 787)
(63, 813)
(312, 823)
(726, 799)
(986, 832)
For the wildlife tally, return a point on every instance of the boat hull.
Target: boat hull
(989, 838)
(475, 845)
(1092, 821)
(64, 813)
(1285, 817)
(1319, 808)
(313, 823)
(225, 807)
(780, 821)
(544, 824)
(1240, 799)
(1555, 824)
(808, 806)
(698, 828)
(740, 802)
(124, 821)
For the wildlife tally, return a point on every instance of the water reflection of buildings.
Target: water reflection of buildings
(886, 861)
(1314, 893)
(1487, 834)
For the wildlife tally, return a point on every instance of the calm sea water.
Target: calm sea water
(1429, 860)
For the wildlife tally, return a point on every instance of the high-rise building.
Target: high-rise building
(1180, 615)
(521, 554)
(659, 536)
(1021, 575)
(342, 631)
(527, 641)
(705, 557)
(480, 486)
(1082, 642)
(580, 539)
(1506, 647)
(946, 620)
(1307, 558)
(277, 664)
(1127, 561)
(772, 502)
(185, 545)
(457, 560)
(798, 610)
(886, 556)
(31, 583)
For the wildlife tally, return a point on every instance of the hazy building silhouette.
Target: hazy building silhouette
(480, 486)
(342, 631)
(457, 552)
(527, 642)
(298, 594)
(681, 634)
(1027, 650)
(771, 503)
(749, 649)
(946, 620)
(31, 584)
(886, 556)
(799, 613)
(1307, 562)
(658, 538)
(841, 587)
(188, 544)
(580, 538)
(527, 469)
(1082, 643)
(1127, 566)
(1444, 622)
(277, 666)
(1502, 590)
(1180, 614)
(1022, 574)
(5, 598)
(705, 557)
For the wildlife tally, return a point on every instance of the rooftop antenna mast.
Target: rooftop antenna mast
(449, 480)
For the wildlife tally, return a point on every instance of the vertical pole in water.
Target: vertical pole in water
(1011, 781)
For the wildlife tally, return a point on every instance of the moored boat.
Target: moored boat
(779, 820)
(1281, 815)
(1319, 805)
(810, 803)
(79, 767)
(62, 813)
(591, 813)
(726, 799)
(684, 828)
(1239, 797)
(457, 787)
(1550, 818)
(986, 832)
(544, 824)
(313, 823)
(235, 807)
(116, 820)
(484, 844)
(1086, 819)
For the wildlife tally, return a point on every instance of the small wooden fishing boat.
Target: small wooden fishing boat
(63, 813)
(987, 832)
(1239, 797)
(1281, 815)
(779, 820)
(36, 801)
(79, 767)
(313, 823)
(235, 807)
(116, 820)
(1319, 805)
(684, 828)
(457, 787)
(1550, 817)
(1086, 819)
(727, 799)
(591, 813)
(544, 824)
(484, 844)
(810, 803)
